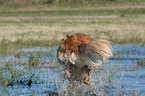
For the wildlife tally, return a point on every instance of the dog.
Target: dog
(80, 55)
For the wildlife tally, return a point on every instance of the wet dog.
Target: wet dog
(81, 54)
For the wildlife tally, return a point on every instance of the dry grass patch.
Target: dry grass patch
(114, 28)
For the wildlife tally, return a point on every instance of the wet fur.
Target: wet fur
(80, 54)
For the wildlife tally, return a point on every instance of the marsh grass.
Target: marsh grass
(128, 29)
(120, 22)
(24, 69)
(31, 67)
(30, 25)
(10, 75)
(141, 63)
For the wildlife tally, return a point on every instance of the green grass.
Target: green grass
(46, 24)
(128, 11)
(24, 72)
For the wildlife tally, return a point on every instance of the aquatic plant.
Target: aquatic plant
(141, 63)
(20, 76)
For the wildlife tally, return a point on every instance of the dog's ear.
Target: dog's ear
(66, 37)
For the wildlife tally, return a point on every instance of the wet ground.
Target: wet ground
(35, 71)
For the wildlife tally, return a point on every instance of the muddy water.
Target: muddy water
(46, 77)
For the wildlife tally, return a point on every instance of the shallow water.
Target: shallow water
(45, 76)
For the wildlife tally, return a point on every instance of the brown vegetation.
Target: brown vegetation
(46, 1)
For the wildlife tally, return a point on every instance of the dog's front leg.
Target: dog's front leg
(67, 73)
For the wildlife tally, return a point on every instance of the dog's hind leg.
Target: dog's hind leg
(87, 76)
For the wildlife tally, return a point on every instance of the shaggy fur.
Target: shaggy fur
(80, 54)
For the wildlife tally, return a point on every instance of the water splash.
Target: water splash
(103, 81)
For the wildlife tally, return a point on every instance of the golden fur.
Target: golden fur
(80, 54)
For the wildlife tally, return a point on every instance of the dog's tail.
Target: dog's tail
(96, 50)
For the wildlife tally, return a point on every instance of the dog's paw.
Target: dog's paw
(86, 80)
